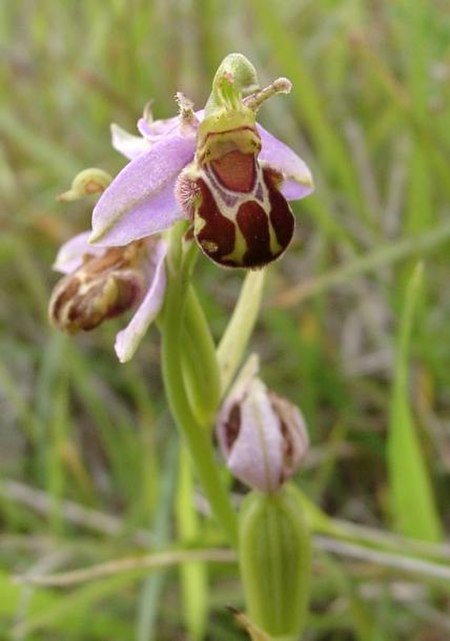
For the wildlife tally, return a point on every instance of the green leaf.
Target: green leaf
(412, 500)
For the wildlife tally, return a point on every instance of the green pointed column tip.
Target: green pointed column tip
(235, 77)
(236, 87)
(275, 561)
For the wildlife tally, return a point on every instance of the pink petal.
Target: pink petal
(256, 457)
(140, 201)
(127, 340)
(155, 130)
(127, 144)
(70, 255)
(298, 180)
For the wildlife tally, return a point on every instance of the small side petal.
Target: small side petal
(127, 144)
(298, 181)
(154, 131)
(70, 255)
(140, 201)
(127, 340)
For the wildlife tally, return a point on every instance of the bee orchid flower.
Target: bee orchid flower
(100, 283)
(217, 168)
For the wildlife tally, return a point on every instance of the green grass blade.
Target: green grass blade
(309, 103)
(413, 504)
(150, 596)
(72, 609)
(388, 254)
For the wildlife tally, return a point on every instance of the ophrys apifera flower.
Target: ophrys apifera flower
(104, 282)
(217, 168)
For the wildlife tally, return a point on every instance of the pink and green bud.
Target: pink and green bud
(87, 182)
(262, 436)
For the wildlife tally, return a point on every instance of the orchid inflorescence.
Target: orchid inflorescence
(213, 179)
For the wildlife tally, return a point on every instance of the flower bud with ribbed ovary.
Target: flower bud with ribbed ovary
(275, 561)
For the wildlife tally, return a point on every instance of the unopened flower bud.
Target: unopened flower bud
(262, 436)
(87, 182)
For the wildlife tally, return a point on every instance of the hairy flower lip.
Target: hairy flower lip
(141, 199)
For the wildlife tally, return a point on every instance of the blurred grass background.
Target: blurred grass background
(352, 330)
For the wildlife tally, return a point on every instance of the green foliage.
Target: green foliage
(413, 503)
(86, 446)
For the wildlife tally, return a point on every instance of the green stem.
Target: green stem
(241, 325)
(201, 369)
(198, 439)
(193, 575)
